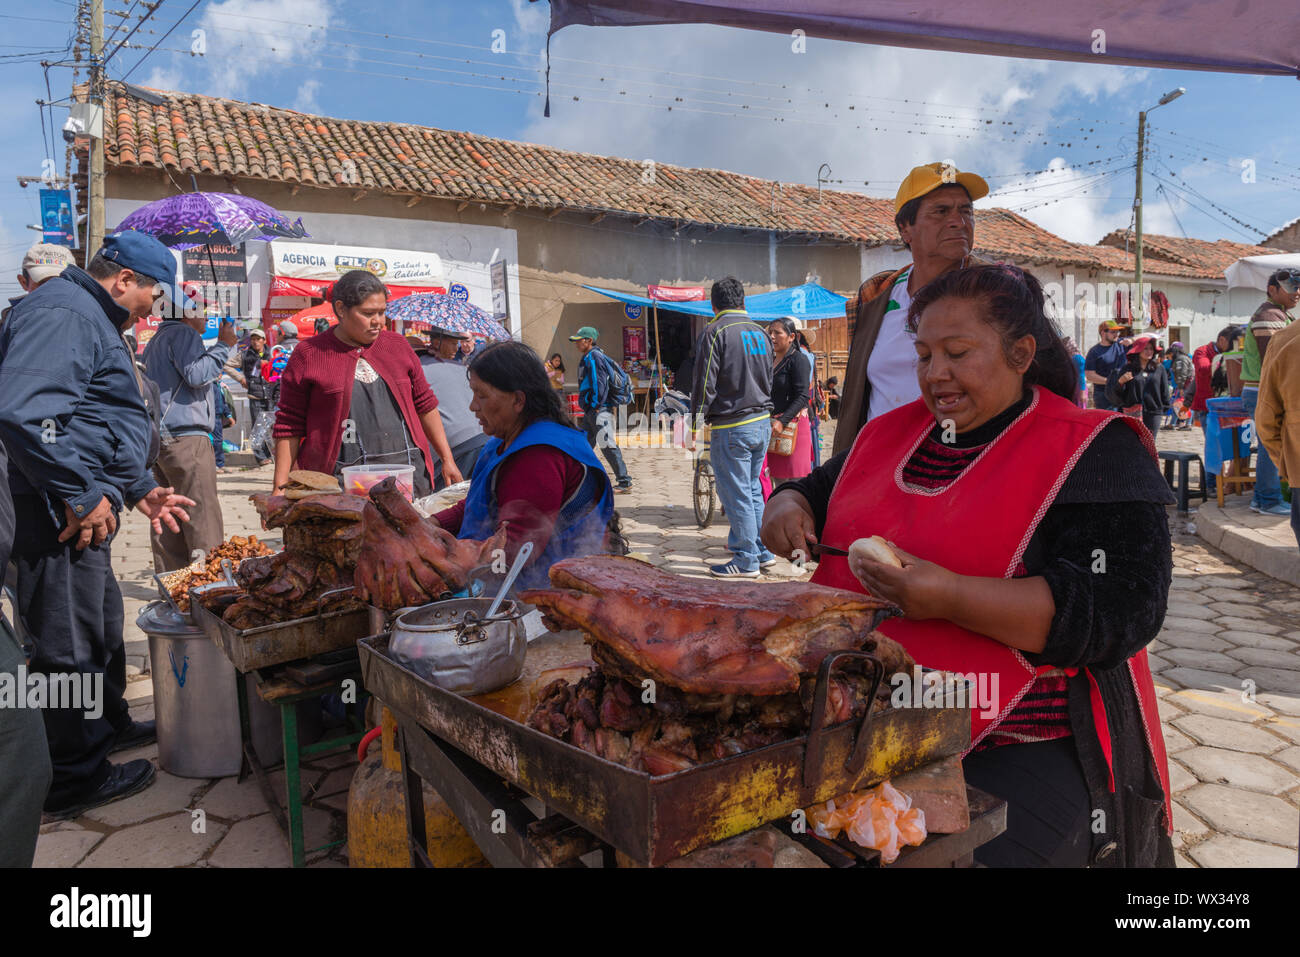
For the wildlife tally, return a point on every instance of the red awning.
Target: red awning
(315, 288)
(676, 293)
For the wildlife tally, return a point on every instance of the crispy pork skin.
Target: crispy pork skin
(708, 637)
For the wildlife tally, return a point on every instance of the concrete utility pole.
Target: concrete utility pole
(95, 181)
(1139, 307)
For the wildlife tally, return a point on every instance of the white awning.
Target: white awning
(1253, 271)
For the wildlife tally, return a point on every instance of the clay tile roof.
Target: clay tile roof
(205, 134)
(1203, 256)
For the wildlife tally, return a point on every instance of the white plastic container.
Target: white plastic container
(360, 479)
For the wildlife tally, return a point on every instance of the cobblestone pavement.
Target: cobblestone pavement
(1227, 666)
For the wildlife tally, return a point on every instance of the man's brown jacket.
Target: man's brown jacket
(866, 314)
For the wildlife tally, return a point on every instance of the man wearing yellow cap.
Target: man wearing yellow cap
(935, 216)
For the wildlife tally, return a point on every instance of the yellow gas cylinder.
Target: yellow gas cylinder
(377, 814)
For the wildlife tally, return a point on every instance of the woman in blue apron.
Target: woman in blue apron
(536, 472)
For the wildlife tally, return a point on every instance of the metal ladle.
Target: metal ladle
(511, 575)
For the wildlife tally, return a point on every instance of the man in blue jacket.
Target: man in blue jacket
(599, 412)
(733, 393)
(78, 435)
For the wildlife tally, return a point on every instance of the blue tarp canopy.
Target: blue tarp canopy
(809, 301)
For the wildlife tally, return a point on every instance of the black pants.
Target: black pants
(24, 769)
(72, 607)
(1048, 813)
(1152, 421)
(591, 422)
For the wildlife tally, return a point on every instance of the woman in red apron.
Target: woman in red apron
(1036, 556)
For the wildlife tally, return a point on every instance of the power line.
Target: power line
(1203, 212)
(143, 19)
(695, 76)
(1165, 193)
(1188, 187)
(164, 37)
(569, 84)
(122, 22)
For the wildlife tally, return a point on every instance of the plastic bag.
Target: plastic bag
(260, 436)
(881, 818)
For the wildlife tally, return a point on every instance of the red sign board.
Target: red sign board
(676, 293)
(634, 343)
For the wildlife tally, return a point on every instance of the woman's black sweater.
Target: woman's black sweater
(1148, 388)
(1109, 514)
(790, 386)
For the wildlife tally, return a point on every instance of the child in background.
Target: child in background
(225, 419)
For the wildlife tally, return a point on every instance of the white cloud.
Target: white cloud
(247, 39)
(531, 19)
(1075, 203)
(779, 114)
(306, 97)
(165, 78)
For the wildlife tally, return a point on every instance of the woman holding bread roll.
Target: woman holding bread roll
(357, 395)
(1031, 549)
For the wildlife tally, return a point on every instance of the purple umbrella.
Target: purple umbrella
(199, 219)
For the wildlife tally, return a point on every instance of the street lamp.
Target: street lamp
(1137, 202)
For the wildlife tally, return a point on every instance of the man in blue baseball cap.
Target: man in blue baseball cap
(81, 441)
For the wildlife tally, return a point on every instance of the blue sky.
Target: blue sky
(1056, 140)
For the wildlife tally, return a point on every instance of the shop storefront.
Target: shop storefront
(302, 273)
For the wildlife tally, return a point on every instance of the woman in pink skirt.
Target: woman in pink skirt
(789, 404)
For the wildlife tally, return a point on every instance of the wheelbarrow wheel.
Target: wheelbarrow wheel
(702, 492)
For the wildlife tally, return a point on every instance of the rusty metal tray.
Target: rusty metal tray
(266, 645)
(654, 819)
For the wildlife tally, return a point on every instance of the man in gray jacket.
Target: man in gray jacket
(733, 393)
(184, 372)
(449, 382)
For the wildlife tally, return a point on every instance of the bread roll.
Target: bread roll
(876, 549)
(315, 480)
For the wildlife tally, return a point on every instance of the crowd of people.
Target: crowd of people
(958, 392)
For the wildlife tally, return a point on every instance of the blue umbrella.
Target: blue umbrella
(447, 312)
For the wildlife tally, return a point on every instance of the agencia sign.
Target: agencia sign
(326, 263)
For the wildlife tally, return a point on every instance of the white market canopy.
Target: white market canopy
(1253, 271)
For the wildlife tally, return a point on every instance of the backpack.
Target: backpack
(620, 386)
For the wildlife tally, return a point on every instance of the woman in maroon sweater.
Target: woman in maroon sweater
(357, 395)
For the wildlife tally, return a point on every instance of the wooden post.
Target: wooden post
(658, 357)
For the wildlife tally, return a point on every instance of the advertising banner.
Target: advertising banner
(322, 263)
(56, 217)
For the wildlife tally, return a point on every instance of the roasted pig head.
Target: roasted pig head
(406, 559)
(705, 637)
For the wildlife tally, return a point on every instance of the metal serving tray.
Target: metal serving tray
(654, 819)
(266, 645)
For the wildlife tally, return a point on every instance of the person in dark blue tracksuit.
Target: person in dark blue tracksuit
(79, 439)
(598, 409)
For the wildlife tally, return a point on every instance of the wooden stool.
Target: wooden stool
(1243, 477)
(1183, 489)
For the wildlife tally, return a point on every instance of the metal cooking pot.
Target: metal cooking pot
(449, 644)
